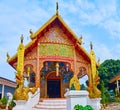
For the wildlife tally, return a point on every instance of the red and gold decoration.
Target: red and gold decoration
(54, 48)
(21, 92)
(57, 69)
(94, 92)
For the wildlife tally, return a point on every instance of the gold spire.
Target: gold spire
(94, 92)
(56, 8)
(93, 61)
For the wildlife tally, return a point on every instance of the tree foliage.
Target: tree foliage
(107, 70)
(105, 95)
(83, 87)
(102, 93)
(80, 107)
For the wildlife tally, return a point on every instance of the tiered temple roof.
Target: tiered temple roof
(56, 18)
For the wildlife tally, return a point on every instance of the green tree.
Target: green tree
(103, 101)
(107, 70)
(83, 87)
(105, 95)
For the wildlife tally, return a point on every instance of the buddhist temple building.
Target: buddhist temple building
(116, 79)
(6, 86)
(53, 56)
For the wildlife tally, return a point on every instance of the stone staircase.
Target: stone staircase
(51, 104)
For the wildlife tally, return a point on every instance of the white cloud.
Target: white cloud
(98, 13)
(116, 51)
(105, 52)
(113, 27)
(107, 8)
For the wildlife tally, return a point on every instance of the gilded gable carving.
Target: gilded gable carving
(31, 55)
(55, 34)
(82, 69)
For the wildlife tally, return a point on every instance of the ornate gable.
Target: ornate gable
(50, 35)
(55, 35)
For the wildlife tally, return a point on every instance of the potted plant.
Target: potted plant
(78, 107)
(88, 107)
(3, 102)
(11, 105)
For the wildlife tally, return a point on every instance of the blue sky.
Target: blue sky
(96, 20)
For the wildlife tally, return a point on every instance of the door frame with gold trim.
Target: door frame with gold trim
(52, 76)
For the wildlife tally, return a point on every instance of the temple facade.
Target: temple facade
(53, 56)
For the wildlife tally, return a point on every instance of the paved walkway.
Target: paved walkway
(114, 106)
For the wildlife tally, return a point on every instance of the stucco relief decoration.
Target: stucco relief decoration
(64, 69)
(82, 72)
(79, 56)
(31, 62)
(55, 34)
(31, 54)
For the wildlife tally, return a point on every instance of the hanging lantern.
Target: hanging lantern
(57, 69)
(28, 71)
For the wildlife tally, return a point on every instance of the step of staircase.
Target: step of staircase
(51, 104)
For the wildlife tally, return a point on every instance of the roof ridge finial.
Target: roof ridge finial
(21, 38)
(56, 8)
(91, 46)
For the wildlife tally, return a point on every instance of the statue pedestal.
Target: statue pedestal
(75, 97)
(27, 105)
(95, 103)
(20, 105)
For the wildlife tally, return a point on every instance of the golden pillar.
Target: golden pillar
(94, 92)
(20, 58)
(74, 61)
(37, 78)
(93, 62)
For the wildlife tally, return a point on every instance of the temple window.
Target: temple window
(29, 75)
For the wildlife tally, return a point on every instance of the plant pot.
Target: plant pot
(10, 107)
(3, 106)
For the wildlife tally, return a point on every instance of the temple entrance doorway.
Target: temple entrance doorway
(53, 85)
(54, 79)
(53, 88)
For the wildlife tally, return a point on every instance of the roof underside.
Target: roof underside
(115, 78)
(7, 82)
